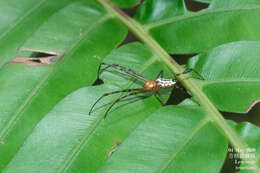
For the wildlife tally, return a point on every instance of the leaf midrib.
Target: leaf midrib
(191, 86)
(194, 15)
(140, 32)
(38, 87)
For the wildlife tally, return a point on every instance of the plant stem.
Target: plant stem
(188, 83)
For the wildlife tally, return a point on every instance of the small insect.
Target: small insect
(148, 84)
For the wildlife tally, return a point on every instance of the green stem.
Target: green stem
(188, 83)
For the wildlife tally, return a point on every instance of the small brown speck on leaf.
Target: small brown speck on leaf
(2, 142)
(114, 148)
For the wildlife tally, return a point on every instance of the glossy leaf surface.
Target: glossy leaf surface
(167, 141)
(233, 3)
(200, 31)
(79, 141)
(231, 75)
(69, 139)
(125, 3)
(149, 12)
(62, 53)
(31, 88)
(20, 21)
(251, 135)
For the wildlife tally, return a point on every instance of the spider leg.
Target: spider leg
(110, 93)
(160, 74)
(158, 97)
(191, 70)
(120, 98)
(125, 70)
(201, 77)
(99, 69)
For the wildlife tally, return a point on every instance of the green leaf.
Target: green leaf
(20, 20)
(205, 1)
(168, 140)
(251, 134)
(63, 55)
(76, 141)
(69, 139)
(154, 10)
(232, 75)
(53, 36)
(200, 31)
(233, 3)
(126, 3)
(73, 38)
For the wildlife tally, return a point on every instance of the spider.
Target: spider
(148, 84)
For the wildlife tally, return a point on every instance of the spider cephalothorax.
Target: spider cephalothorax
(150, 85)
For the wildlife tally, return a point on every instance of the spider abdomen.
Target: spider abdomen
(166, 83)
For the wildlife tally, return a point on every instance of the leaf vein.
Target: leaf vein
(23, 17)
(36, 90)
(194, 15)
(74, 153)
(201, 124)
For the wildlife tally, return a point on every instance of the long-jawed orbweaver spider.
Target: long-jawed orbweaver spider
(148, 85)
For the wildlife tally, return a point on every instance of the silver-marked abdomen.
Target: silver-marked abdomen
(166, 83)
